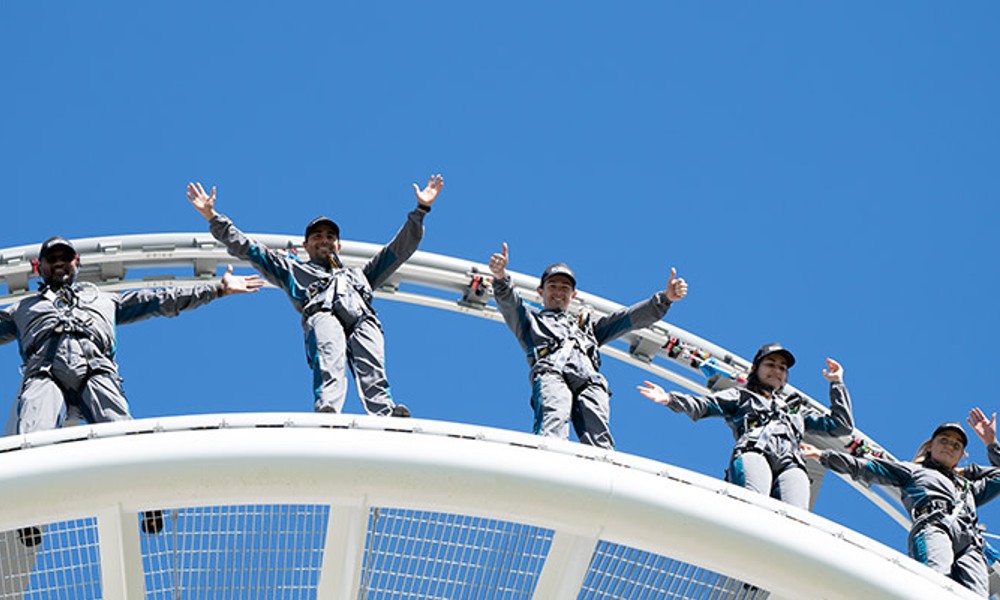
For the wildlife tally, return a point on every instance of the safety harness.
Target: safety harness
(579, 338)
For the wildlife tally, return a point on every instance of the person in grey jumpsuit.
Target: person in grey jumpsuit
(767, 428)
(941, 499)
(66, 337)
(340, 325)
(563, 349)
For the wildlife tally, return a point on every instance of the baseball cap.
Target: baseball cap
(773, 348)
(956, 427)
(55, 242)
(322, 221)
(558, 269)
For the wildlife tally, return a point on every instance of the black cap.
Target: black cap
(773, 348)
(55, 242)
(956, 427)
(322, 221)
(558, 269)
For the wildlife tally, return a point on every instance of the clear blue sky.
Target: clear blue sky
(822, 174)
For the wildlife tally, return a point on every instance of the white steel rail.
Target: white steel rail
(433, 280)
(350, 462)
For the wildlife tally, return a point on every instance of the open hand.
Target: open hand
(654, 393)
(810, 451)
(426, 196)
(985, 428)
(202, 202)
(237, 284)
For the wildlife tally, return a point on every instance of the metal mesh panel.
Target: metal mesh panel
(238, 552)
(51, 562)
(426, 555)
(625, 573)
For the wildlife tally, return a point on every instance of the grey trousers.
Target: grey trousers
(330, 351)
(784, 479)
(42, 404)
(559, 399)
(932, 545)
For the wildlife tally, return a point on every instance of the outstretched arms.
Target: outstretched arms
(840, 421)
(138, 305)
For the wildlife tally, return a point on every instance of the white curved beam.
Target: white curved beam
(579, 492)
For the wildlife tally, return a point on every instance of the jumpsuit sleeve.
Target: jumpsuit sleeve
(700, 407)
(275, 267)
(985, 482)
(867, 470)
(514, 312)
(385, 262)
(8, 330)
(639, 315)
(139, 305)
(840, 421)
(993, 452)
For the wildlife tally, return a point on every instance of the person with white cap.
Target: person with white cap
(563, 349)
(340, 324)
(942, 499)
(766, 426)
(66, 335)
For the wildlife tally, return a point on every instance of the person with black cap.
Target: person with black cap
(66, 333)
(767, 426)
(340, 324)
(563, 349)
(941, 498)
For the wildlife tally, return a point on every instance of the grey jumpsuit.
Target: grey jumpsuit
(340, 325)
(564, 360)
(766, 457)
(67, 342)
(945, 534)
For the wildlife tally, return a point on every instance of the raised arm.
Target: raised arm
(642, 314)
(387, 260)
(986, 429)
(276, 267)
(840, 421)
(202, 202)
(498, 263)
(426, 196)
(510, 305)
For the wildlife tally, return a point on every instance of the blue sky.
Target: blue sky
(821, 174)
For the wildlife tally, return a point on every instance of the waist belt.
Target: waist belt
(931, 506)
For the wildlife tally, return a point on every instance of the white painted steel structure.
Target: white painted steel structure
(585, 509)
